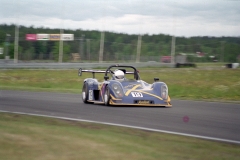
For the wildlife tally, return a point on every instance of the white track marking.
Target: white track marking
(128, 126)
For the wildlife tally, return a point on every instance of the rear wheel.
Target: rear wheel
(85, 93)
(107, 96)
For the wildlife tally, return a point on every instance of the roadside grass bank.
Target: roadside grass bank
(184, 83)
(30, 137)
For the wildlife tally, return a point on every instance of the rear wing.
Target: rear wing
(91, 71)
(99, 71)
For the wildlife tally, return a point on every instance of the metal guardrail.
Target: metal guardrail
(33, 65)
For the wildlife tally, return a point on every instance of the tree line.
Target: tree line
(87, 43)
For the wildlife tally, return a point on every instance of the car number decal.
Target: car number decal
(137, 94)
(90, 94)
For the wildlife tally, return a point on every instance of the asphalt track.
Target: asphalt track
(204, 119)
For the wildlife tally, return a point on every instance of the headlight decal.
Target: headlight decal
(164, 91)
(117, 90)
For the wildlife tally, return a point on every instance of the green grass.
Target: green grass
(184, 83)
(27, 137)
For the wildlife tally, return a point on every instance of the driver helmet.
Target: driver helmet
(119, 74)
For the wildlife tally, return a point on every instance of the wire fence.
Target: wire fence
(81, 51)
(88, 50)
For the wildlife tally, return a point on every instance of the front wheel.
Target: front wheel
(85, 93)
(107, 96)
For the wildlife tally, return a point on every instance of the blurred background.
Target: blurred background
(113, 31)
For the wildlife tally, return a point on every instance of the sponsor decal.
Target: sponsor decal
(31, 37)
(90, 95)
(67, 37)
(129, 86)
(143, 102)
(42, 36)
(137, 94)
(54, 37)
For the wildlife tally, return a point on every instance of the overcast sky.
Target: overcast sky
(173, 17)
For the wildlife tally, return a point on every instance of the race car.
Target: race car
(122, 86)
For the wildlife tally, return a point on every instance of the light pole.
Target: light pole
(60, 59)
(222, 49)
(16, 43)
(139, 44)
(60, 56)
(7, 44)
(101, 47)
(173, 49)
(81, 49)
(88, 49)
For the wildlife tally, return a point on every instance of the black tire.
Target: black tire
(106, 96)
(85, 93)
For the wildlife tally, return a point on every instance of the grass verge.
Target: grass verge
(27, 137)
(183, 83)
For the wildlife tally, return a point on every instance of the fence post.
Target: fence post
(173, 49)
(101, 48)
(16, 44)
(88, 49)
(139, 48)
